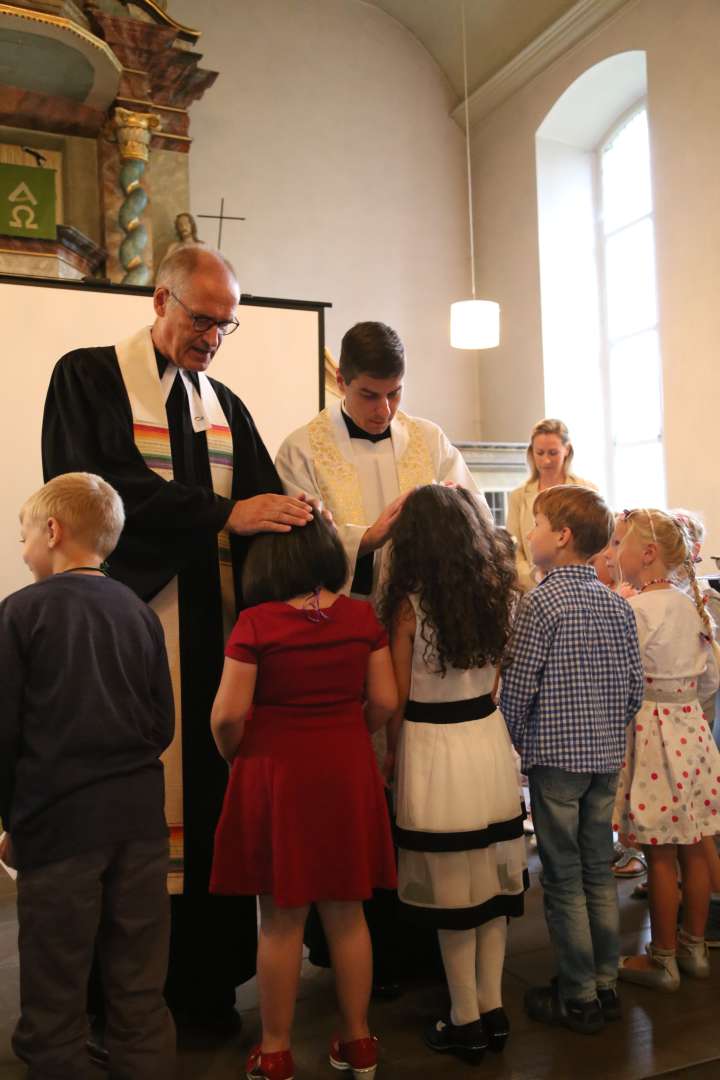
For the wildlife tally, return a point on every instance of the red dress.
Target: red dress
(305, 816)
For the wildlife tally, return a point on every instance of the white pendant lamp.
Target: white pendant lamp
(474, 324)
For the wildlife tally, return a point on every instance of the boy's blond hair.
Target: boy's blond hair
(85, 503)
(582, 511)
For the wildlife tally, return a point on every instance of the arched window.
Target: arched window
(631, 344)
(601, 347)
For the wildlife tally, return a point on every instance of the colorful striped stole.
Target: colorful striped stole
(138, 367)
(153, 442)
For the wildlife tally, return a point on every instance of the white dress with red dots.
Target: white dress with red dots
(669, 789)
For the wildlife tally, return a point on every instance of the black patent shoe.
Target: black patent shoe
(466, 1041)
(497, 1029)
(544, 1003)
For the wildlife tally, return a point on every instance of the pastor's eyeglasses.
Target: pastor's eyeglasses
(203, 323)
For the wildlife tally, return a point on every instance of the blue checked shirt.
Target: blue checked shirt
(575, 678)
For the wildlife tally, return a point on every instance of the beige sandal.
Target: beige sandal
(631, 864)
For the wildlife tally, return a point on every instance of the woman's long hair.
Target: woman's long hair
(462, 570)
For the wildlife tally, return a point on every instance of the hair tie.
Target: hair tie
(312, 609)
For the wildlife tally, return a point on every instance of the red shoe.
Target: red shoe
(275, 1066)
(359, 1057)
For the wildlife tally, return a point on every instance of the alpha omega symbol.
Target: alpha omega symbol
(27, 201)
(24, 208)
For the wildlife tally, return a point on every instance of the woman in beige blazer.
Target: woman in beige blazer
(549, 456)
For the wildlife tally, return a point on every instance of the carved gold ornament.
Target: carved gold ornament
(134, 131)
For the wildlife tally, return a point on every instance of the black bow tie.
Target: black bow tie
(356, 432)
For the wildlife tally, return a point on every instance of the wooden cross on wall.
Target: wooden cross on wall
(220, 218)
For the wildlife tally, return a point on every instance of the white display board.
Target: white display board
(273, 362)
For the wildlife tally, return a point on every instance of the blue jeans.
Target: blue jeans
(572, 814)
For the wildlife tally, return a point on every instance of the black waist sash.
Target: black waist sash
(450, 712)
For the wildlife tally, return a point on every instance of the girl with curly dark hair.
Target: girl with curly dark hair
(448, 601)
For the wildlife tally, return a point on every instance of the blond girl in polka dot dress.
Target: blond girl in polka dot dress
(668, 796)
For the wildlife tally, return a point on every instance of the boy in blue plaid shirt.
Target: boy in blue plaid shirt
(571, 684)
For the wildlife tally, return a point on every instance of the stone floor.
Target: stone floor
(668, 1035)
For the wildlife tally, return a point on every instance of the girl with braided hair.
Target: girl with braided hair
(668, 796)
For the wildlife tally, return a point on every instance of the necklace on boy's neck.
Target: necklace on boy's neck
(654, 581)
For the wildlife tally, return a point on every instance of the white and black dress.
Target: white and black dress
(459, 812)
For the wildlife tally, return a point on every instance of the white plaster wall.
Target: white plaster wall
(680, 40)
(329, 129)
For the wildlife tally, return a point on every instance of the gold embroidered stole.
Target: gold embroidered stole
(339, 480)
(220, 452)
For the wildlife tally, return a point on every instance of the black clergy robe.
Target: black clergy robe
(171, 530)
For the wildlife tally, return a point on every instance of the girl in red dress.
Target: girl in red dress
(307, 677)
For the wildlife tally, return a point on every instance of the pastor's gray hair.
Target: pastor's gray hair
(178, 267)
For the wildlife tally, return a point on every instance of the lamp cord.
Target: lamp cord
(467, 153)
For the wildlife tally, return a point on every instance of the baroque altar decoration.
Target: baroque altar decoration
(105, 86)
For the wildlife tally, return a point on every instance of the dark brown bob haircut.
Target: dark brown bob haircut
(374, 349)
(582, 511)
(280, 566)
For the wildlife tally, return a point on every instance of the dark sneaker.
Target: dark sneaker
(466, 1041)
(610, 1004)
(544, 1003)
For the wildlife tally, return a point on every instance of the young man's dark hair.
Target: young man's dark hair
(374, 349)
(280, 566)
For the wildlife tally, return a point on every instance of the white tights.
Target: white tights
(473, 962)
